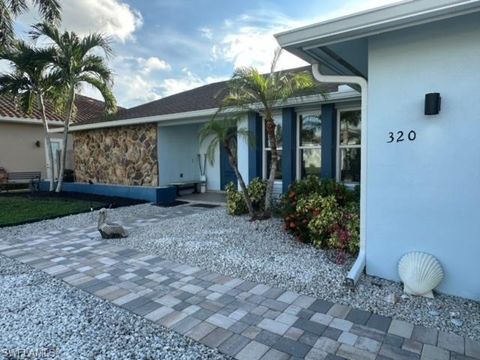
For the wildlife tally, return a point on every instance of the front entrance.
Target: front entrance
(227, 174)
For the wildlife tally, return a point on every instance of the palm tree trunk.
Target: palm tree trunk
(49, 143)
(65, 140)
(246, 197)
(270, 126)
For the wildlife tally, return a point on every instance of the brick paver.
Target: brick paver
(243, 319)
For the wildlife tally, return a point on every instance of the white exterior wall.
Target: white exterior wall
(242, 151)
(178, 147)
(424, 195)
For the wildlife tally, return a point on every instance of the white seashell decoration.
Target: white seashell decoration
(420, 273)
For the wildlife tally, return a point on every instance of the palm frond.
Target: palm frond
(105, 90)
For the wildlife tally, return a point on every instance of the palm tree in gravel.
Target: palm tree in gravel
(224, 132)
(76, 62)
(249, 90)
(10, 9)
(30, 83)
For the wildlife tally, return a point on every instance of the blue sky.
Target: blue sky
(166, 46)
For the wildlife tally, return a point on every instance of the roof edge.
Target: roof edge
(336, 96)
(377, 20)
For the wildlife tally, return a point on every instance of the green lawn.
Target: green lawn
(23, 208)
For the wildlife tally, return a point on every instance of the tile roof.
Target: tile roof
(201, 98)
(88, 109)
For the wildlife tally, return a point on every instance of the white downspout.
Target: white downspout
(360, 262)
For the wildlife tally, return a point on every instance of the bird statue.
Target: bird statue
(110, 230)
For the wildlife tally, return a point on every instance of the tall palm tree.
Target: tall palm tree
(30, 83)
(10, 9)
(249, 90)
(224, 132)
(75, 63)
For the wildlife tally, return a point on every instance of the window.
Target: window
(349, 146)
(309, 150)
(268, 151)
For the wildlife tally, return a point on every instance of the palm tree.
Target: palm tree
(249, 90)
(224, 132)
(30, 83)
(10, 9)
(75, 63)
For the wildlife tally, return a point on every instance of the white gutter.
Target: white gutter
(361, 260)
(333, 97)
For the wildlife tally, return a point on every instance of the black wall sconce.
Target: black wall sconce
(432, 103)
(37, 143)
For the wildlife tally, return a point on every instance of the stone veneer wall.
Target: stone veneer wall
(124, 155)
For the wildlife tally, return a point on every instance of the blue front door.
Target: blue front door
(226, 172)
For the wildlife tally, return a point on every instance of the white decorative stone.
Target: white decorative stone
(420, 273)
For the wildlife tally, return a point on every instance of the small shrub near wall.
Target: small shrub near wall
(324, 213)
(235, 202)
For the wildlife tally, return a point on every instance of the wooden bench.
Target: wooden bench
(24, 177)
(185, 185)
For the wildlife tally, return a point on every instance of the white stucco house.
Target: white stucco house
(420, 156)
(401, 120)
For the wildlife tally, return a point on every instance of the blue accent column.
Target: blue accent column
(289, 138)
(329, 141)
(255, 152)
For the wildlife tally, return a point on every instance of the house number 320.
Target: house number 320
(399, 136)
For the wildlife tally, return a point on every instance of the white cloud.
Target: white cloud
(251, 43)
(114, 18)
(153, 63)
(206, 33)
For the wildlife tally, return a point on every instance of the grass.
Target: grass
(20, 209)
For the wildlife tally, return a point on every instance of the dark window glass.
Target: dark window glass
(350, 128)
(310, 162)
(350, 165)
(310, 130)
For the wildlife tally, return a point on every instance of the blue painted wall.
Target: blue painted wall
(147, 193)
(423, 195)
(329, 141)
(289, 134)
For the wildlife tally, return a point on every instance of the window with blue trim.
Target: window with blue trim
(309, 145)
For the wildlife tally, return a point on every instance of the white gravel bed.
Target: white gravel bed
(263, 252)
(44, 316)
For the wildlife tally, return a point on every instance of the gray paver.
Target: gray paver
(353, 353)
(328, 345)
(234, 344)
(253, 351)
(294, 348)
(310, 326)
(200, 330)
(401, 328)
(379, 322)
(431, 352)
(425, 335)
(392, 352)
(472, 348)
(274, 354)
(451, 342)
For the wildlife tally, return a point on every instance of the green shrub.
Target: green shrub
(235, 201)
(324, 213)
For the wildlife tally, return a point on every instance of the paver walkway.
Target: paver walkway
(243, 319)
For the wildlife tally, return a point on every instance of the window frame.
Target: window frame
(315, 112)
(265, 149)
(340, 146)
